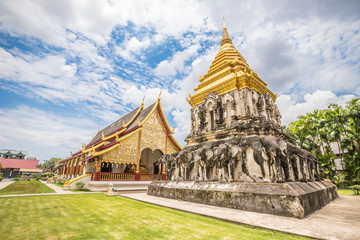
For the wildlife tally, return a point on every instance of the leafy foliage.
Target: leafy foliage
(80, 185)
(50, 164)
(356, 189)
(340, 125)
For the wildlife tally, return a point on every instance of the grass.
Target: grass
(26, 187)
(95, 216)
(80, 190)
(346, 192)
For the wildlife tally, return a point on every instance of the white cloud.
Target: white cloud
(296, 47)
(177, 63)
(290, 109)
(43, 134)
(133, 47)
(183, 125)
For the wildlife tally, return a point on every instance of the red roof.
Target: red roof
(18, 163)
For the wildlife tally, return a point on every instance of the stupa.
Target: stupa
(237, 154)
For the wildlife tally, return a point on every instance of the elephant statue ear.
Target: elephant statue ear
(256, 145)
(209, 154)
(282, 145)
(234, 150)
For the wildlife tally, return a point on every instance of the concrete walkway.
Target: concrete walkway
(5, 182)
(57, 189)
(338, 220)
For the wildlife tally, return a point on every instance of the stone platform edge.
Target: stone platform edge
(293, 199)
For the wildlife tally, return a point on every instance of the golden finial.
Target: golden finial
(142, 103)
(226, 38)
(172, 131)
(71, 153)
(123, 123)
(159, 95)
(102, 134)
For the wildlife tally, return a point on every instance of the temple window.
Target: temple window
(211, 120)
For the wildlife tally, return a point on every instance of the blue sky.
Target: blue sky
(69, 68)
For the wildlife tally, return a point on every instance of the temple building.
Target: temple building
(12, 167)
(126, 150)
(15, 154)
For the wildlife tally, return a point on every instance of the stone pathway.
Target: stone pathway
(57, 189)
(5, 182)
(338, 220)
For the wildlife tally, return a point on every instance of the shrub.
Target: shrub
(38, 178)
(17, 176)
(60, 181)
(16, 179)
(80, 185)
(1, 177)
(356, 189)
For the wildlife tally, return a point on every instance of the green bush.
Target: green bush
(16, 179)
(17, 176)
(1, 177)
(80, 185)
(356, 189)
(60, 181)
(38, 178)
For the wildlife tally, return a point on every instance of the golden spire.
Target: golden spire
(227, 72)
(226, 38)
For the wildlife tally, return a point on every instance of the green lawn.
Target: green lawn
(95, 216)
(346, 192)
(26, 187)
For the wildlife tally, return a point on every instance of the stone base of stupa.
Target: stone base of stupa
(291, 199)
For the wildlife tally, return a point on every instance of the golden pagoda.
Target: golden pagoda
(228, 71)
(231, 96)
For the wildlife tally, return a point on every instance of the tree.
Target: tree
(50, 164)
(317, 130)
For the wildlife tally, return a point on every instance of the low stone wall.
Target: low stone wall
(85, 179)
(102, 186)
(291, 199)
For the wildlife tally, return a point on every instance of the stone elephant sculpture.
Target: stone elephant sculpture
(303, 163)
(170, 165)
(297, 162)
(205, 160)
(184, 163)
(238, 156)
(223, 163)
(312, 166)
(270, 151)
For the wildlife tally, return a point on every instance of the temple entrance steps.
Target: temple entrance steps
(121, 186)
